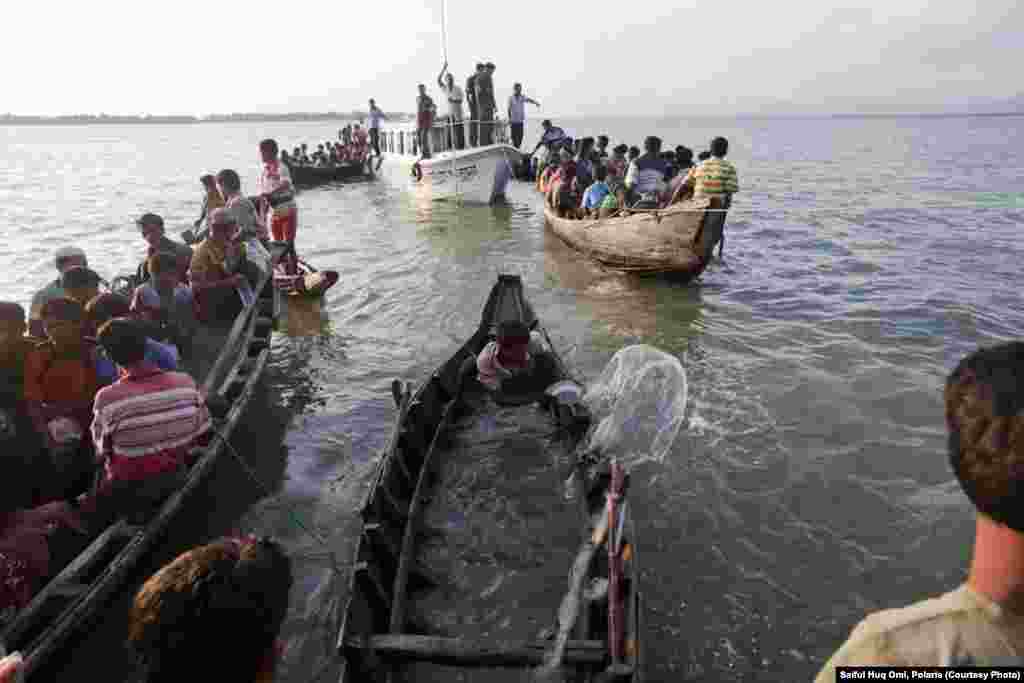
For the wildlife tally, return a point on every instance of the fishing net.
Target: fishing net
(638, 403)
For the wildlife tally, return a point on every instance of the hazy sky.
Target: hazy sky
(598, 57)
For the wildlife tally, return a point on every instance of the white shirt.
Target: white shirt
(517, 108)
(375, 116)
(454, 108)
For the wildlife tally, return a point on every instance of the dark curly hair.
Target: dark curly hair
(216, 608)
(985, 415)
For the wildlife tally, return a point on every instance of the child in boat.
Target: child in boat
(110, 305)
(181, 616)
(509, 355)
(165, 302)
(596, 193)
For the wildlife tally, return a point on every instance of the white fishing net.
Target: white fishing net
(638, 403)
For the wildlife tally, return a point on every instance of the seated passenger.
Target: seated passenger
(224, 602)
(62, 376)
(143, 428)
(510, 355)
(596, 193)
(237, 204)
(645, 179)
(24, 464)
(110, 305)
(215, 278)
(617, 165)
(152, 228)
(80, 284)
(65, 258)
(165, 302)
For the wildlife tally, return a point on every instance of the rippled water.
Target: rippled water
(809, 483)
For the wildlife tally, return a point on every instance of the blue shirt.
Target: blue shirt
(164, 356)
(595, 194)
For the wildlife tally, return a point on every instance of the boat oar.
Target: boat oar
(617, 669)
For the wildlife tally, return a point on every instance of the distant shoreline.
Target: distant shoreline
(103, 120)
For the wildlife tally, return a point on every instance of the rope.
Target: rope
(288, 507)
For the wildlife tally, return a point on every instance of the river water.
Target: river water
(809, 483)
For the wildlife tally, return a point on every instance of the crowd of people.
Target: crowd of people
(353, 146)
(96, 421)
(584, 179)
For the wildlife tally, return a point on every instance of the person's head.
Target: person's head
(124, 340)
(80, 283)
(586, 144)
(304, 146)
(684, 156)
(480, 67)
(151, 227)
(69, 257)
(652, 144)
(268, 150)
(181, 616)
(223, 226)
(63, 319)
(229, 182)
(489, 66)
(564, 156)
(517, 88)
(601, 173)
(984, 399)
(602, 141)
(719, 147)
(633, 152)
(704, 156)
(620, 151)
(107, 306)
(12, 323)
(449, 79)
(545, 124)
(163, 268)
(422, 88)
(372, 103)
(513, 339)
(208, 181)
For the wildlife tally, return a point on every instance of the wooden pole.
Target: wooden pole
(469, 652)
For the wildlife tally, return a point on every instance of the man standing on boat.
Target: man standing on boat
(474, 111)
(517, 113)
(453, 93)
(486, 104)
(375, 115)
(277, 197)
(424, 120)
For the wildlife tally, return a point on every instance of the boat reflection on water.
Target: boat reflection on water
(303, 316)
(630, 309)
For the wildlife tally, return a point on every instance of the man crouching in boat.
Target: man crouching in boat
(516, 362)
(144, 426)
(278, 198)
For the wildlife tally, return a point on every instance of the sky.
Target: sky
(601, 57)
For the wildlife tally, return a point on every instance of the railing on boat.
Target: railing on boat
(443, 136)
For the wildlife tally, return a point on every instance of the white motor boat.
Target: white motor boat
(477, 175)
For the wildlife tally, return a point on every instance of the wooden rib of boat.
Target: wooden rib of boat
(230, 369)
(391, 567)
(310, 176)
(678, 239)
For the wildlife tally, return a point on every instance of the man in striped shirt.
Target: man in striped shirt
(716, 177)
(143, 427)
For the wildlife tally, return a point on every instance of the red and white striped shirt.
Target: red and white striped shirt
(145, 423)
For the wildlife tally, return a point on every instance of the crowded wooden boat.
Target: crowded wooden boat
(500, 375)
(331, 161)
(127, 399)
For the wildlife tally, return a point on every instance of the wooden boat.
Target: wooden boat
(229, 362)
(308, 282)
(678, 239)
(310, 176)
(429, 443)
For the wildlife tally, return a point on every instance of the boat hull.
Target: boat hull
(677, 240)
(375, 639)
(478, 176)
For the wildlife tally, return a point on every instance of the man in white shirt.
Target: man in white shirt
(517, 113)
(454, 95)
(375, 115)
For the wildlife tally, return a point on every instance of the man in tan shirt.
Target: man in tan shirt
(980, 623)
